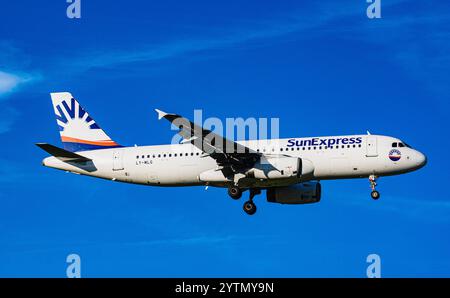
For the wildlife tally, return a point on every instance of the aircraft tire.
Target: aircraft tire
(375, 195)
(249, 207)
(234, 192)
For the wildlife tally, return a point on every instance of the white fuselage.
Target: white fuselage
(337, 157)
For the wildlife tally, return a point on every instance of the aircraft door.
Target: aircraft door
(118, 160)
(371, 146)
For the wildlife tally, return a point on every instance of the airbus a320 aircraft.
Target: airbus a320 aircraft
(288, 169)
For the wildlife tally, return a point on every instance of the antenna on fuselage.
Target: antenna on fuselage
(368, 132)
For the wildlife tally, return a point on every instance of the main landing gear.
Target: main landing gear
(249, 207)
(234, 192)
(373, 183)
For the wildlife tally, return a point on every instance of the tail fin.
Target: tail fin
(78, 130)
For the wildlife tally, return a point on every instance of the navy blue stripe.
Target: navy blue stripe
(74, 147)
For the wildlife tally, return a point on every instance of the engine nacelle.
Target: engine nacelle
(281, 167)
(302, 193)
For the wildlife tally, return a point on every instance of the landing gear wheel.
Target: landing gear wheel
(373, 183)
(249, 207)
(375, 195)
(234, 192)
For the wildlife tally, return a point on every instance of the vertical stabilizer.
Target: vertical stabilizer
(79, 132)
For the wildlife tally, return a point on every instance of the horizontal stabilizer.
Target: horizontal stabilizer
(62, 154)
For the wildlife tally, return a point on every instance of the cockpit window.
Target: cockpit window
(403, 144)
(394, 145)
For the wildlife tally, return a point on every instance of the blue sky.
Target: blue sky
(322, 67)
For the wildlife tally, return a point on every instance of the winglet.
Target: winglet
(161, 114)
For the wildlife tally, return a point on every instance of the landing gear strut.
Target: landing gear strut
(234, 192)
(250, 207)
(373, 183)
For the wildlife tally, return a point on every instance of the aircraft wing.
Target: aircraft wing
(229, 154)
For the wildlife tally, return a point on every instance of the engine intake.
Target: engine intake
(302, 193)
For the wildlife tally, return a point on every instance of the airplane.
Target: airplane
(289, 170)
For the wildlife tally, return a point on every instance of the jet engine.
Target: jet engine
(302, 193)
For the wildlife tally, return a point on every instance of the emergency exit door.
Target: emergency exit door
(371, 146)
(118, 160)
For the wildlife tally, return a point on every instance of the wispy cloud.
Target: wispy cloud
(199, 240)
(423, 209)
(257, 32)
(14, 69)
(180, 47)
(14, 75)
(10, 82)
(8, 116)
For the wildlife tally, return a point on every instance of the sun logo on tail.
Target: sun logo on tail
(77, 128)
(66, 115)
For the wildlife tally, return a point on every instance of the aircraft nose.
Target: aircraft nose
(421, 159)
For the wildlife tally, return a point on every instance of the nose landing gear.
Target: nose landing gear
(249, 206)
(373, 183)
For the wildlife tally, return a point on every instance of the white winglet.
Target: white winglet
(161, 114)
